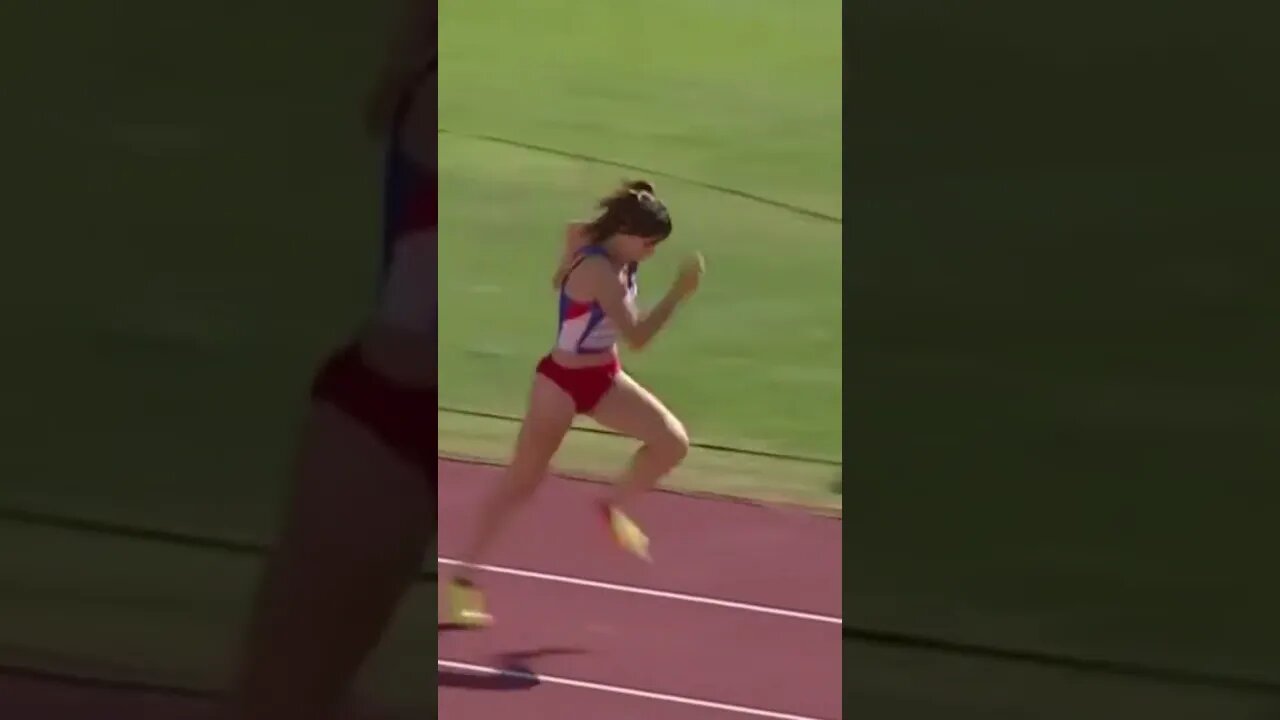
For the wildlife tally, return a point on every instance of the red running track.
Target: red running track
(686, 652)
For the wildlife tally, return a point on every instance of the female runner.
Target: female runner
(582, 376)
(362, 508)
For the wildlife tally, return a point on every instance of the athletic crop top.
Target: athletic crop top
(407, 286)
(584, 327)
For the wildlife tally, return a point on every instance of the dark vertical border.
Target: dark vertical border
(1133, 145)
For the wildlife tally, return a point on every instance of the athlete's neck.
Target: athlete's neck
(612, 254)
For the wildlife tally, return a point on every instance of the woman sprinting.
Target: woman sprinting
(582, 375)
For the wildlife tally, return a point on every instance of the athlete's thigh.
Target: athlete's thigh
(629, 408)
(547, 420)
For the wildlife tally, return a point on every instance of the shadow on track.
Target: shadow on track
(513, 670)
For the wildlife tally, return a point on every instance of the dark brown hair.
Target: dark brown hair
(634, 208)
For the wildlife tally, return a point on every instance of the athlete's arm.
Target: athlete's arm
(601, 280)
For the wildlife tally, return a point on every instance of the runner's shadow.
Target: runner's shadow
(513, 672)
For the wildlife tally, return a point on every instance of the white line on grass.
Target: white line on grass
(582, 684)
(581, 582)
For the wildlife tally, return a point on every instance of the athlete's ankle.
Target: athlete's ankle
(622, 496)
(464, 578)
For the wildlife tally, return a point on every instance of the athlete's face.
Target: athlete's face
(635, 248)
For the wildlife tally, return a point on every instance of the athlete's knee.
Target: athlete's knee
(680, 444)
(673, 443)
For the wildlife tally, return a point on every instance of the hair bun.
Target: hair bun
(632, 208)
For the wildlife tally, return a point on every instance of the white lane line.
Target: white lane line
(677, 699)
(581, 582)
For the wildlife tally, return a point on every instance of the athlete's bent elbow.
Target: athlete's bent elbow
(636, 342)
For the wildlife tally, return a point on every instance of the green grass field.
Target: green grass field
(715, 99)
(755, 360)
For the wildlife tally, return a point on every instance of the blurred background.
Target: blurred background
(1061, 391)
(192, 222)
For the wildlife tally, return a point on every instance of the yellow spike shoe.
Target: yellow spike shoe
(628, 535)
(466, 605)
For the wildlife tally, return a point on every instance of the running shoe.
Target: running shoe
(466, 605)
(628, 535)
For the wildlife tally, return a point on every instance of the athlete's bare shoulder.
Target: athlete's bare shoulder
(598, 276)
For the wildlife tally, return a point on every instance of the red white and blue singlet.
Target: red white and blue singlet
(584, 327)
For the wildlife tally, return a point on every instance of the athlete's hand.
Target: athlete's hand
(690, 275)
